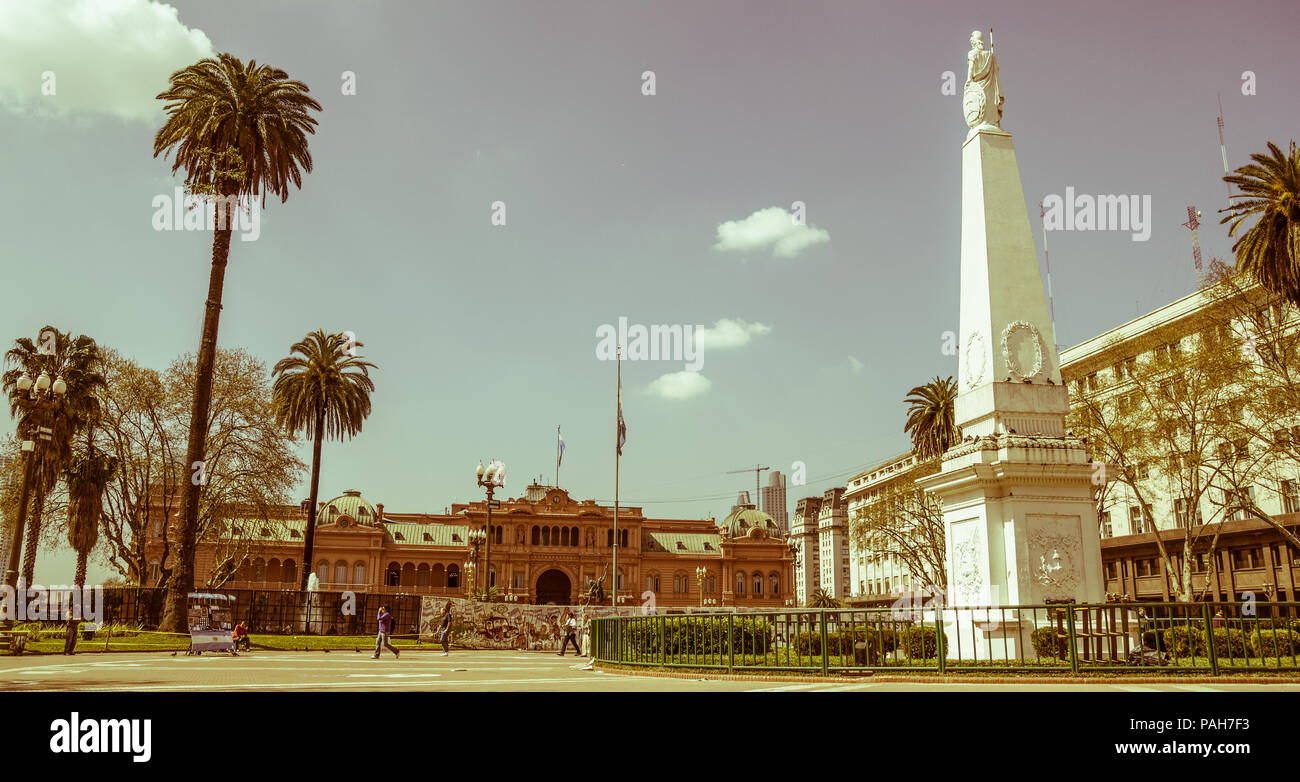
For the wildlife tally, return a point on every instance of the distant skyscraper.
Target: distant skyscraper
(774, 503)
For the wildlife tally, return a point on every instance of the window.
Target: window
(1136, 527)
(537, 536)
(359, 573)
(1106, 530)
(517, 579)
(1246, 497)
(774, 584)
(740, 583)
(758, 584)
(1110, 571)
(1247, 558)
(393, 577)
(340, 572)
(1282, 438)
(453, 576)
(1290, 497)
(1092, 382)
(622, 538)
(1242, 446)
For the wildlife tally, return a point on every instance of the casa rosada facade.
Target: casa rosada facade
(544, 548)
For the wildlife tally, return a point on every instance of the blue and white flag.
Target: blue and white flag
(559, 453)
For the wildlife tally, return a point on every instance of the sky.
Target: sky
(500, 188)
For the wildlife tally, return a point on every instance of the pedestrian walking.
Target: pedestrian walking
(385, 629)
(444, 629)
(569, 626)
(70, 636)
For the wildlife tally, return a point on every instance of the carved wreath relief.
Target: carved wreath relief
(967, 573)
(1011, 353)
(976, 359)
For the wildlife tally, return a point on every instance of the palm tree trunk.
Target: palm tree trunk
(182, 577)
(310, 536)
(33, 538)
(80, 580)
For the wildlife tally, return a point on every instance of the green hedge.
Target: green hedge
(1275, 643)
(923, 642)
(1048, 644)
(1190, 642)
(689, 636)
(879, 640)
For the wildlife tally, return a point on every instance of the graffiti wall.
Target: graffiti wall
(482, 625)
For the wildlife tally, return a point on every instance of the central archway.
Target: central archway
(554, 588)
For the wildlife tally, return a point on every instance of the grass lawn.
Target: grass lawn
(130, 640)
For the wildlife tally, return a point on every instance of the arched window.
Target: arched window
(758, 584)
(620, 579)
(492, 576)
(555, 536)
(340, 572)
(774, 584)
(359, 573)
(290, 572)
(394, 577)
(323, 570)
(573, 536)
(408, 574)
(453, 576)
(438, 576)
(537, 535)
(740, 583)
(274, 572)
(499, 530)
(546, 536)
(155, 571)
(259, 569)
(650, 583)
(564, 537)
(422, 575)
(609, 537)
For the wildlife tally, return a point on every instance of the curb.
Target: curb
(889, 679)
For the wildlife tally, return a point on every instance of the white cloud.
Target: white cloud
(679, 385)
(728, 333)
(856, 366)
(773, 227)
(106, 57)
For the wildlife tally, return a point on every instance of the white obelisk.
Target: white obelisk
(1021, 526)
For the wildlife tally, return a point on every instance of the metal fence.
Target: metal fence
(1211, 638)
(277, 612)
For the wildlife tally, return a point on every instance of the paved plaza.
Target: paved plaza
(494, 671)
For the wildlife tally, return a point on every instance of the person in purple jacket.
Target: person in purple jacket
(385, 629)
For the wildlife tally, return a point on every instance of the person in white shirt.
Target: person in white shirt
(569, 626)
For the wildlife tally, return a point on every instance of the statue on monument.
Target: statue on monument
(982, 99)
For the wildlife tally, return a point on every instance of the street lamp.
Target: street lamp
(36, 404)
(700, 573)
(490, 478)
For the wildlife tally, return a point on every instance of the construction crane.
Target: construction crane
(1193, 223)
(756, 469)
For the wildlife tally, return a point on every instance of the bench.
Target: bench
(15, 639)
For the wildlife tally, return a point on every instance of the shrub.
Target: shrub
(1048, 644)
(1181, 643)
(1275, 643)
(688, 635)
(1229, 643)
(922, 642)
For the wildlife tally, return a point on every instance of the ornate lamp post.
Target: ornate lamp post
(38, 401)
(476, 538)
(490, 478)
(700, 573)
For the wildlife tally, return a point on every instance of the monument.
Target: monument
(1019, 518)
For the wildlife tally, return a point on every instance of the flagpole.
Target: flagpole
(617, 453)
(557, 456)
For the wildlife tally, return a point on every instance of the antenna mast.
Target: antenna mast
(1193, 223)
(1223, 149)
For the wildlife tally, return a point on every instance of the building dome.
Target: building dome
(745, 519)
(350, 506)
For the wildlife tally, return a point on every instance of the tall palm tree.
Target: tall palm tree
(823, 599)
(322, 390)
(930, 417)
(1270, 250)
(78, 362)
(255, 119)
(87, 478)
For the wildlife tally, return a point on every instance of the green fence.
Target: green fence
(1209, 638)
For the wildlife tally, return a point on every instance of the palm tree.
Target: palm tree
(78, 362)
(823, 599)
(1269, 251)
(255, 120)
(87, 479)
(323, 390)
(930, 414)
